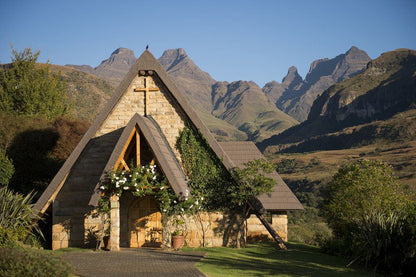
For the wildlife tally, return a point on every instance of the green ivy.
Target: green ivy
(207, 176)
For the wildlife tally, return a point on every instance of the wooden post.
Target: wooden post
(137, 148)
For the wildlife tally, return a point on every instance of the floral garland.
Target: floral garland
(147, 180)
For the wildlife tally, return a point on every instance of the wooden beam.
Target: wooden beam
(137, 148)
(125, 148)
(123, 162)
(266, 224)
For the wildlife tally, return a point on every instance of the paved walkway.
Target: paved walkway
(134, 262)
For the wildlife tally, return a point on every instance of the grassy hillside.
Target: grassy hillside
(316, 168)
(88, 92)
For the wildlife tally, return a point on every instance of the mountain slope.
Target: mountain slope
(297, 98)
(244, 105)
(385, 88)
(188, 77)
(88, 92)
(112, 69)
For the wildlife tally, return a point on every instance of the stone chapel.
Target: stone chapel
(143, 119)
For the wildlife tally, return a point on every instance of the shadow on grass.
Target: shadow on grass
(264, 259)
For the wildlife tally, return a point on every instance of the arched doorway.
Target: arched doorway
(145, 223)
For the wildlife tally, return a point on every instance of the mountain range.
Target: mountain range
(295, 96)
(241, 109)
(387, 87)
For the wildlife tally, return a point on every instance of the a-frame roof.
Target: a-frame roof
(146, 62)
(161, 149)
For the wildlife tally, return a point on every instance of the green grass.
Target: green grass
(264, 259)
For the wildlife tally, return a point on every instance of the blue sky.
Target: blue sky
(232, 40)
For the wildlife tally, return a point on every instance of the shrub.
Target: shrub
(16, 217)
(373, 220)
(31, 262)
(6, 169)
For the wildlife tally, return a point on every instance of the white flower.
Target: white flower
(137, 189)
(202, 198)
(164, 210)
(117, 185)
(191, 206)
(102, 188)
(130, 175)
(162, 188)
(154, 178)
(174, 201)
(196, 202)
(116, 178)
(182, 209)
(186, 198)
(125, 188)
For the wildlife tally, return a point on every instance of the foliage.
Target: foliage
(31, 262)
(251, 181)
(146, 180)
(207, 176)
(16, 217)
(32, 90)
(287, 166)
(6, 169)
(38, 147)
(358, 189)
(370, 217)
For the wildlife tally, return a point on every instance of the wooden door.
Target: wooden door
(145, 223)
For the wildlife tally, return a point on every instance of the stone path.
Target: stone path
(134, 262)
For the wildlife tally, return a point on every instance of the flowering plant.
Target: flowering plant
(147, 180)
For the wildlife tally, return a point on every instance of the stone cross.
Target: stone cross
(146, 91)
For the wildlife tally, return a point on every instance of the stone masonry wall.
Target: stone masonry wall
(162, 107)
(209, 229)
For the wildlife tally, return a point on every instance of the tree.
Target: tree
(359, 189)
(251, 181)
(27, 88)
(371, 216)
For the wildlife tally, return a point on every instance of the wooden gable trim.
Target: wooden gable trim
(120, 159)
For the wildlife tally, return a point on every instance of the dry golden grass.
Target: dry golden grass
(323, 165)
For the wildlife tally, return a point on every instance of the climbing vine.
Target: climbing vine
(207, 176)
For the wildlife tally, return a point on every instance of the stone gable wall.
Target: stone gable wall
(162, 107)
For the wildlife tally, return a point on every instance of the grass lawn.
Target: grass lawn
(264, 259)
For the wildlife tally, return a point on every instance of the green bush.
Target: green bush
(309, 233)
(16, 217)
(6, 169)
(372, 219)
(31, 262)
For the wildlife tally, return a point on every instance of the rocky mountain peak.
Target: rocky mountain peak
(292, 78)
(116, 66)
(172, 57)
(120, 57)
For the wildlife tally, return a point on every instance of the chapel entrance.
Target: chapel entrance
(145, 223)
